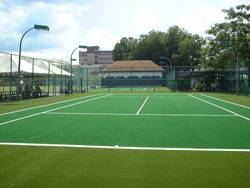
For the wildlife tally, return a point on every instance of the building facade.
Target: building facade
(95, 56)
(136, 73)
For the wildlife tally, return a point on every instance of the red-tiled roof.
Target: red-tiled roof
(134, 65)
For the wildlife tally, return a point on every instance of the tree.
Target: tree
(229, 40)
(151, 46)
(125, 49)
(181, 47)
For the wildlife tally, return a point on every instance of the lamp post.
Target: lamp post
(36, 27)
(165, 66)
(162, 58)
(71, 76)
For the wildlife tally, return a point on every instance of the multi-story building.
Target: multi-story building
(95, 56)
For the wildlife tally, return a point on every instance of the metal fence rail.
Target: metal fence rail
(40, 78)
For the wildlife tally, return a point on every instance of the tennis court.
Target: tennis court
(160, 121)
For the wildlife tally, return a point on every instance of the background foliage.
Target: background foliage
(226, 42)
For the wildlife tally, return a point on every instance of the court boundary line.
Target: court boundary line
(220, 107)
(53, 109)
(138, 112)
(229, 102)
(126, 114)
(45, 105)
(152, 94)
(116, 147)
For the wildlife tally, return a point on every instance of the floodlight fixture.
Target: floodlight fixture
(82, 46)
(41, 27)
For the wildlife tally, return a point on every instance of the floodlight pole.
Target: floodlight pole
(71, 78)
(19, 63)
(37, 27)
(169, 61)
(71, 67)
(165, 64)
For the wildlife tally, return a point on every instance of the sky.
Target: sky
(99, 22)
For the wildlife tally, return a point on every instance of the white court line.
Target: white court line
(58, 108)
(125, 148)
(225, 101)
(124, 114)
(47, 105)
(153, 94)
(220, 107)
(138, 112)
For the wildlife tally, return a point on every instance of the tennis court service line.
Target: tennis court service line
(225, 101)
(53, 109)
(138, 112)
(45, 105)
(219, 107)
(124, 147)
(125, 114)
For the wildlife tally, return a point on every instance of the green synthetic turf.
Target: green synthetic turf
(18, 105)
(131, 130)
(41, 167)
(243, 100)
(72, 167)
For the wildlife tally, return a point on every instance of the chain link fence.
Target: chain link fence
(41, 78)
(179, 78)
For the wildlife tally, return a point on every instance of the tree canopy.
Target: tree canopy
(181, 47)
(230, 40)
(225, 43)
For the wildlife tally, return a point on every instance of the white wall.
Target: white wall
(127, 74)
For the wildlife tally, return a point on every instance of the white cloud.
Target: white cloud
(1, 4)
(65, 29)
(101, 37)
(231, 3)
(144, 20)
(198, 20)
(10, 21)
(101, 23)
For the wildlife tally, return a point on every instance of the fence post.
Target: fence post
(32, 75)
(87, 79)
(153, 79)
(109, 80)
(131, 80)
(81, 81)
(61, 88)
(48, 77)
(237, 75)
(10, 74)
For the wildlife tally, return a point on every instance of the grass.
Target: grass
(243, 100)
(18, 105)
(58, 167)
(80, 167)
(7, 88)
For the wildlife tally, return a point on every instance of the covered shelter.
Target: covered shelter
(49, 76)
